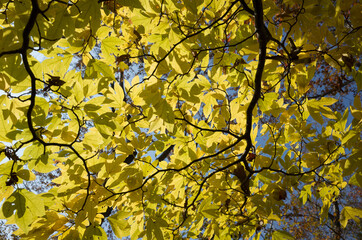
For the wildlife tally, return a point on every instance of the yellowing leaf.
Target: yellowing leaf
(91, 209)
(305, 193)
(158, 101)
(93, 138)
(265, 103)
(356, 180)
(94, 233)
(350, 213)
(42, 164)
(34, 151)
(120, 226)
(34, 202)
(26, 175)
(110, 48)
(208, 209)
(102, 69)
(155, 125)
(165, 112)
(281, 235)
(117, 96)
(89, 13)
(27, 205)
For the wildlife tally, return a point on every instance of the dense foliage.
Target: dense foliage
(179, 119)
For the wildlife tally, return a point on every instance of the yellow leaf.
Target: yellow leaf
(117, 96)
(350, 213)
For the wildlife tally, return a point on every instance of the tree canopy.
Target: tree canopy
(168, 119)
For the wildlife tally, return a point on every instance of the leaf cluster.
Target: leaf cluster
(176, 119)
